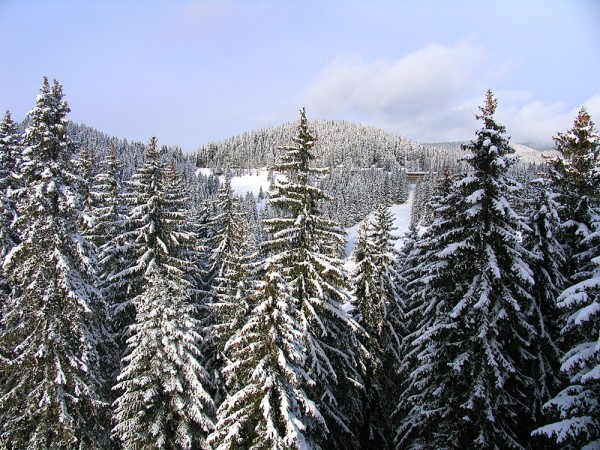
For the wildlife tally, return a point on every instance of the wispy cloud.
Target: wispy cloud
(536, 121)
(432, 94)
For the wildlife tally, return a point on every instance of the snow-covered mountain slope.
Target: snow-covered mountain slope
(401, 215)
(339, 144)
(523, 152)
(256, 180)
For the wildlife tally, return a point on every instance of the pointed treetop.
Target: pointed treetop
(583, 133)
(583, 119)
(489, 108)
(153, 151)
(45, 85)
(7, 127)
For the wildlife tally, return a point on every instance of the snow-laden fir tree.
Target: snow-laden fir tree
(576, 172)
(546, 259)
(386, 260)
(51, 326)
(227, 271)
(267, 407)
(306, 247)
(376, 307)
(425, 280)
(469, 387)
(163, 399)
(107, 212)
(10, 152)
(125, 257)
(227, 278)
(106, 223)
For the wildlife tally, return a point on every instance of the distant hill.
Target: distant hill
(340, 144)
(524, 152)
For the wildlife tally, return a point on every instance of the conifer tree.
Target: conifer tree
(546, 259)
(51, 396)
(163, 388)
(577, 175)
(378, 311)
(107, 212)
(227, 277)
(267, 406)
(574, 175)
(227, 266)
(306, 246)
(10, 151)
(425, 306)
(470, 387)
(126, 257)
(86, 169)
(106, 224)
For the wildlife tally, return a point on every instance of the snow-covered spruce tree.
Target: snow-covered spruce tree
(306, 245)
(577, 173)
(226, 299)
(470, 387)
(106, 212)
(376, 307)
(106, 223)
(10, 152)
(268, 407)
(227, 302)
(51, 326)
(546, 259)
(163, 397)
(125, 258)
(426, 278)
(574, 176)
(387, 263)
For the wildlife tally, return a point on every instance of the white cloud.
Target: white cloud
(432, 95)
(536, 121)
(413, 83)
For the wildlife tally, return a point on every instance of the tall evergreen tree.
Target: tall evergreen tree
(10, 152)
(106, 223)
(306, 245)
(50, 329)
(268, 406)
(577, 174)
(574, 175)
(546, 259)
(470, 388)
(227, 271)
(107, 212)
(377, 309)
(426, 277)
(86, 169)
(227, 277)
(163, 388)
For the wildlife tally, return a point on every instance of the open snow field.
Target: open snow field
(401, 215)
(259, 178)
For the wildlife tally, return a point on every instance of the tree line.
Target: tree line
(136, 317)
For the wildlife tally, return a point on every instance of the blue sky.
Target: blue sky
(191, 72)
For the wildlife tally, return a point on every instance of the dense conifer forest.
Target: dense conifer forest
(145, 304)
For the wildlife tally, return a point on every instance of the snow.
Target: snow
(251, 182)
(401, 214)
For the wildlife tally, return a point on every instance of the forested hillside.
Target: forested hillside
(145, 304)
